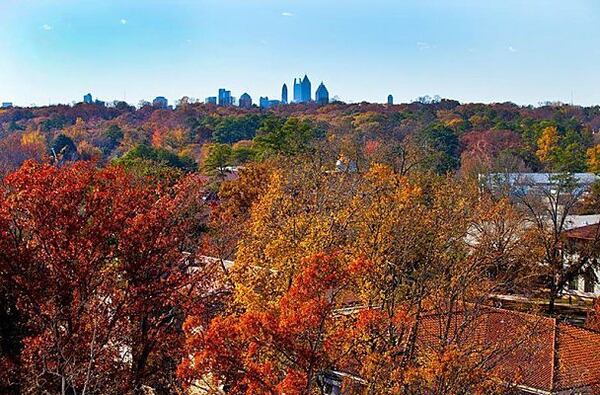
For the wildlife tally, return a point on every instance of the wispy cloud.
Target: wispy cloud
(423, 46)
(46, 27)
(512, 49)
(123, 21)
(287, 13)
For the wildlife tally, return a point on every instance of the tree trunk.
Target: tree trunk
(552, 298)
(139, 354)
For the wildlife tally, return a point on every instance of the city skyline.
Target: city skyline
(55, 51)
(224, 98)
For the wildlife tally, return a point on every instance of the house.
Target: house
(584, 241)
(521, 184)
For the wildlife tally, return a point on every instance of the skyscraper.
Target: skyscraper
(88, 99)
(306, 90)
(210, 100)
(160, 102)
(297, 92)
(390, 100)
(225, 97)
(302, 90)
(245, 101)
(322, 94)
(284, 94)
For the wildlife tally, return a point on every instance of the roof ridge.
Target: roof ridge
(555, 356)
(583, 328)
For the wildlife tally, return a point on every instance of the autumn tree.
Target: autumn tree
(593, 159)
(300, 213)
(230, 216)
(413, 246)
(96, 266)
(278, 349)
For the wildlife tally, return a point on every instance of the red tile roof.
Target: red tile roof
(588, 232)
(578, 358)
(532, 351)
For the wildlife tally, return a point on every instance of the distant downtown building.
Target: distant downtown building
(284, 94)
(302, 90)
(302, 94)
(322, 95)
(390, 100)
(224, 98)
(7, 104)
(88, 99)
(266, 103)
(245, 101)
(160, 102)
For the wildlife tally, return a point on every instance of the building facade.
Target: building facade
(88, 99)
(225, 98)
(284, 94)
(297, 92)
(7, 104)
(322, 94)
(210, 100)
(582, 244)
(160, 102)
(266, 103)
(302, 90)
(245, 101)
(390, 100)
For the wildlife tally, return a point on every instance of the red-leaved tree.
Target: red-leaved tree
(97, 266)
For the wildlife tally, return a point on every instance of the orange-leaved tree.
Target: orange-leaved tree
(281, 349)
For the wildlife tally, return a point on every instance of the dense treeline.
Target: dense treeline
(106, 287)
(454, 136)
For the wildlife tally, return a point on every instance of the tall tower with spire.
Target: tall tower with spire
(284, 94)
(306, 89)
(297, 92)
(302, 90)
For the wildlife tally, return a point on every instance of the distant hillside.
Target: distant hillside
(444, 135)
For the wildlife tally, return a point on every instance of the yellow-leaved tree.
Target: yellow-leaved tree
(417, 250)
(548, 145)
(593, 159)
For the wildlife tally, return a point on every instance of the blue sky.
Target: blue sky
(525, 51)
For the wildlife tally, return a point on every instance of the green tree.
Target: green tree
(288, 139)
(158, 156)
(442, 148)
(217, 160)
(233, 129)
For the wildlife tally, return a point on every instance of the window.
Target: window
(589, 280)
(574, 283)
